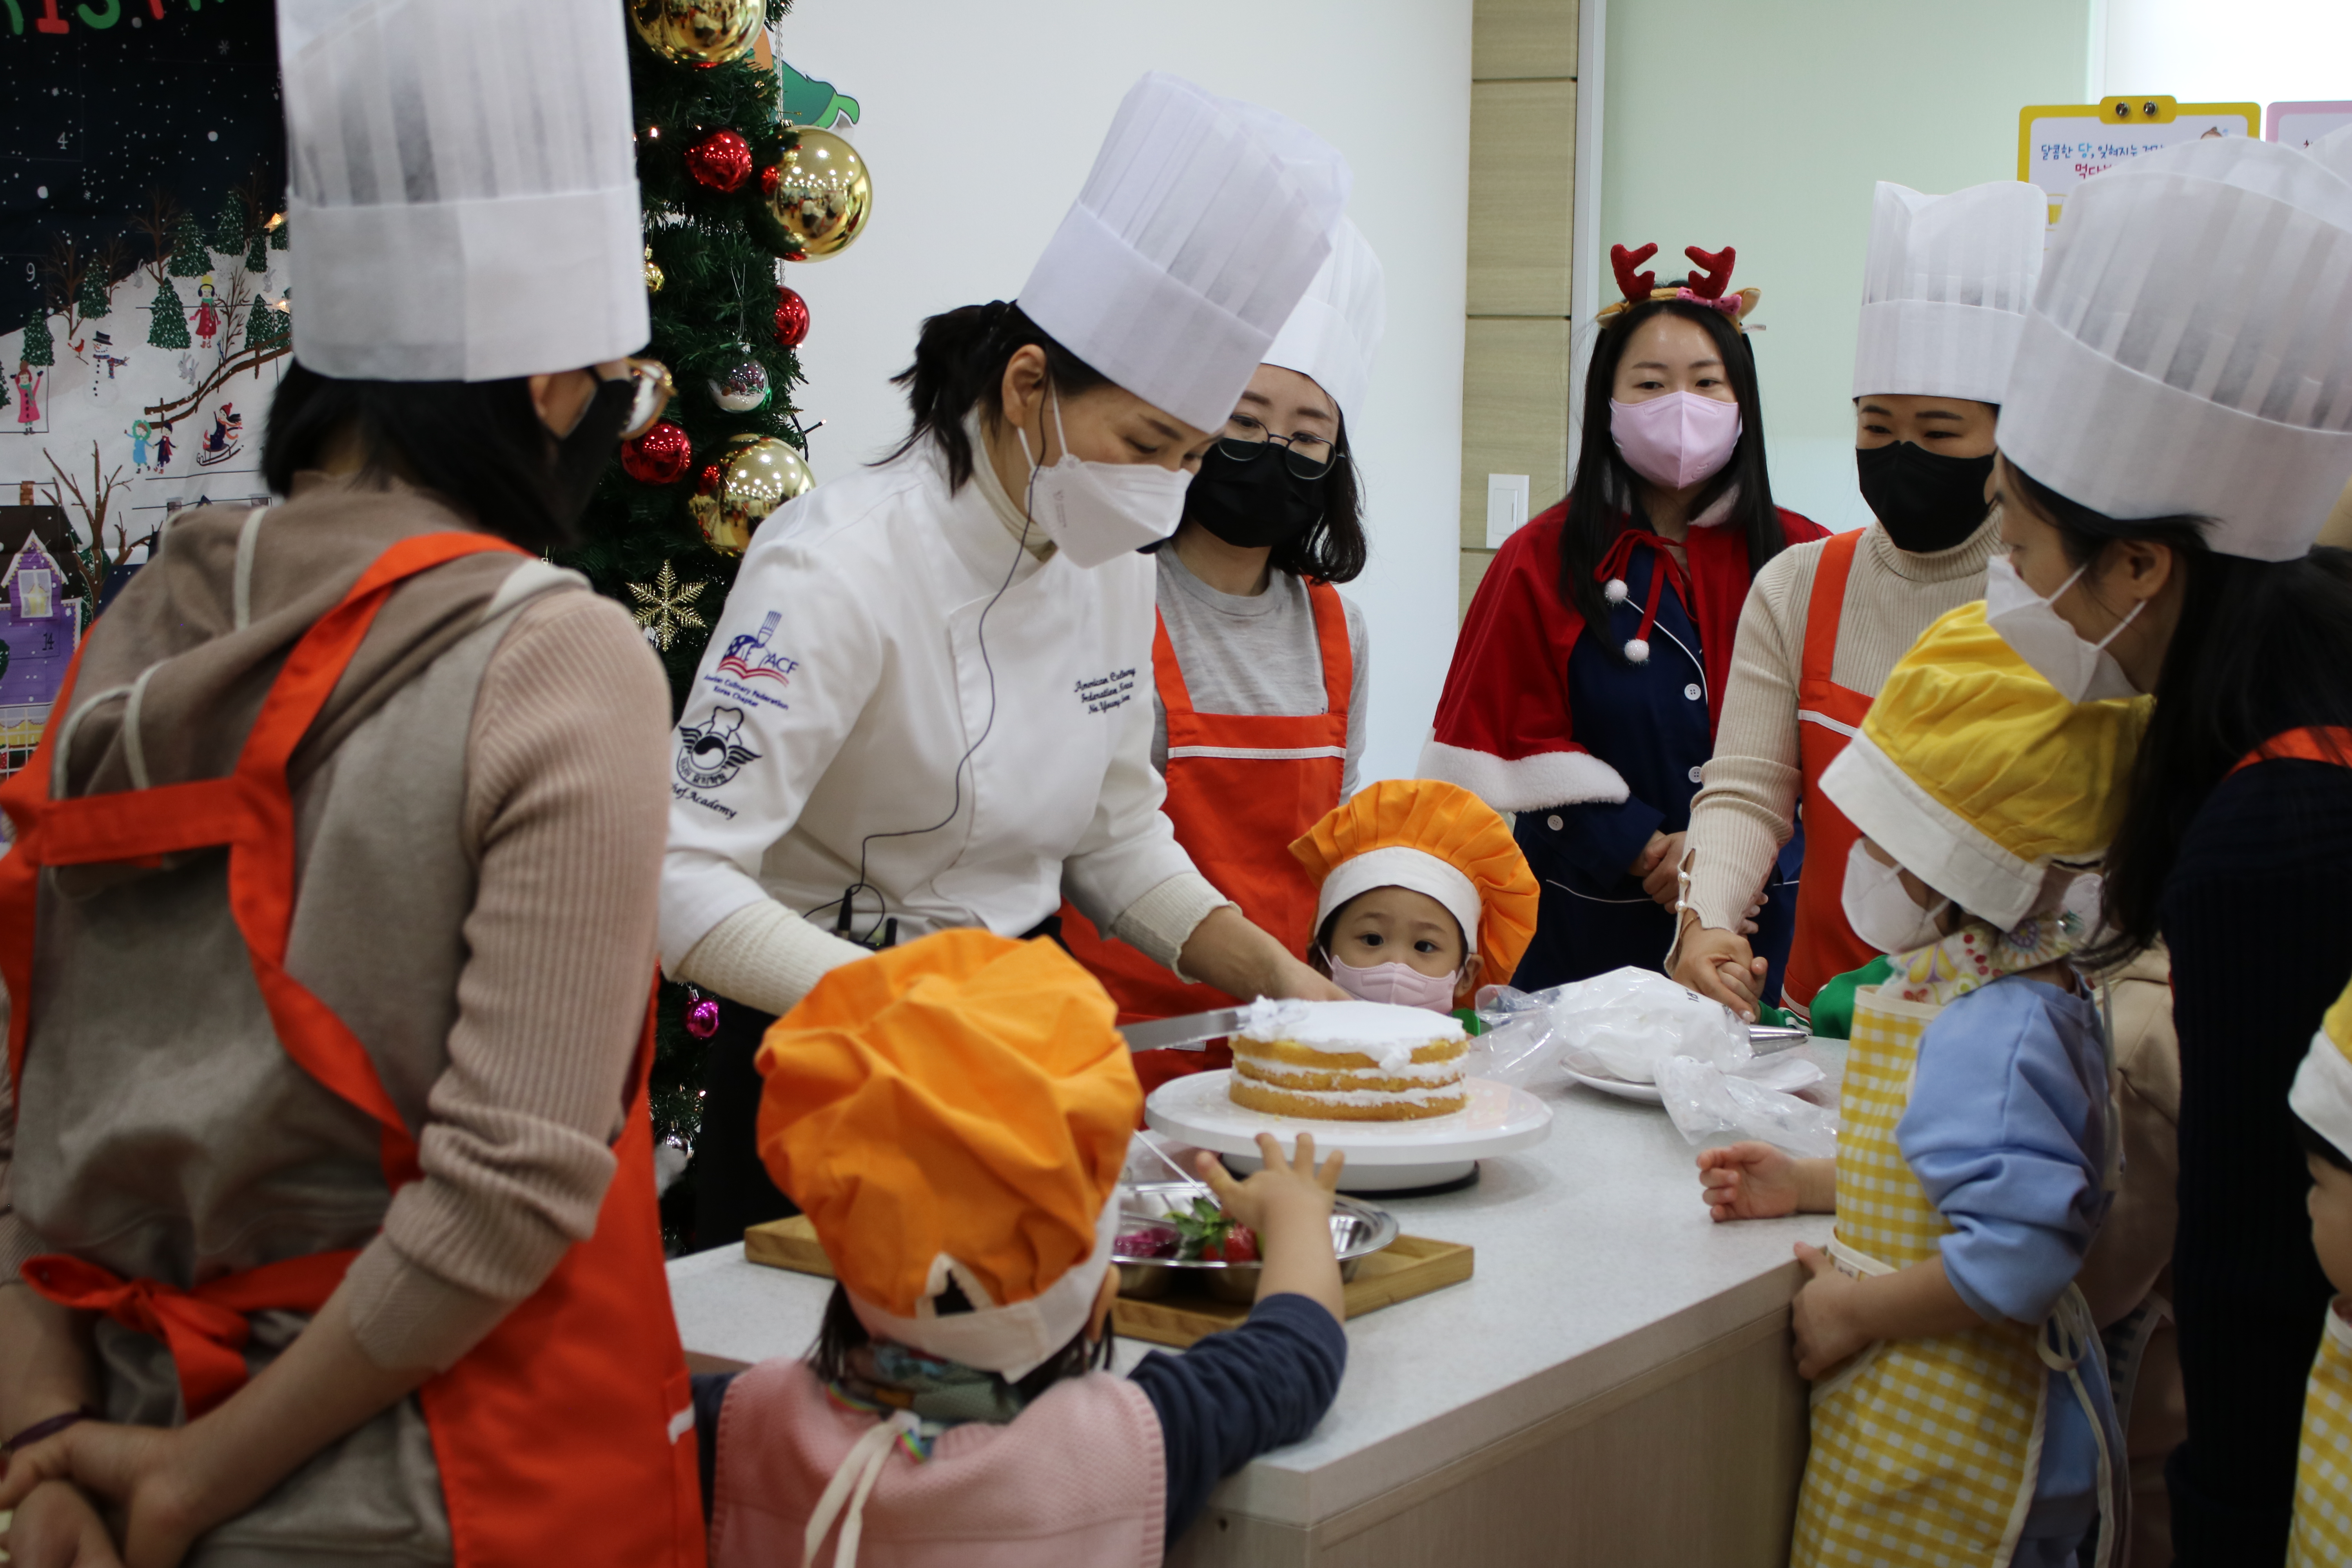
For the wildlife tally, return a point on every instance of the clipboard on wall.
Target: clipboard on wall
(2059, 145)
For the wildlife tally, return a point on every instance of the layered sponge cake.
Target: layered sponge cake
(1349, 1061)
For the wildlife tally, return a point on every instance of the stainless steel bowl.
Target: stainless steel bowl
(1359, 1229)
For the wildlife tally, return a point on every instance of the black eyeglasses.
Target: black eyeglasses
(1245, 440)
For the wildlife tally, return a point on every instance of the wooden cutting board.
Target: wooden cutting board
(1408, 1266)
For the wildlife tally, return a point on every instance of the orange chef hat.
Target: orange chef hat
(957, 1109)
(1435, 839)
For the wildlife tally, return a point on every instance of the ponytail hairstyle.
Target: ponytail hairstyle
(1606, 498)
(959, 360)
(2219, 694)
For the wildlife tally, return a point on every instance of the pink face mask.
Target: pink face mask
(1676, 440)
(1399, 983)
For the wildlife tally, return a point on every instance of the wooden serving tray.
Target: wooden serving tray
(1408, 1266)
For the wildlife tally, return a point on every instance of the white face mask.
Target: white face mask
(2033, 627)
(1095, 512)
(1878, 908)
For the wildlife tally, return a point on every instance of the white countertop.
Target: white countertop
(1597, 1264)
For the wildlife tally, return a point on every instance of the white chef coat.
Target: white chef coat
(846, 677)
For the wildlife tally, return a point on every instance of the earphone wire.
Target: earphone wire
(848, 900)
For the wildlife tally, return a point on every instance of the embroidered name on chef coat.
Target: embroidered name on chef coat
(1102, 693)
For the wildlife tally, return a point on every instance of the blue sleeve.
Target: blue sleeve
(2007, 1130)
(1597, 839)
(1235, 1395)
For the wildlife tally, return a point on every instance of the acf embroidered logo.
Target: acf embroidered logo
(708, 754)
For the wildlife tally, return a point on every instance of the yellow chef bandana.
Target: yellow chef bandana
(1437, 838)
(957, 1111)
(1975, 773)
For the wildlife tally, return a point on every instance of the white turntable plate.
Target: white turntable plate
(1381, 1154)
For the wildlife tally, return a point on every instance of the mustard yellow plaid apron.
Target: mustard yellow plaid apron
(2323, 1472)
(1924, 1451)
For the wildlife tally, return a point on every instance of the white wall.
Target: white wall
(979, 123)
(2258, 51)
(1764, 127)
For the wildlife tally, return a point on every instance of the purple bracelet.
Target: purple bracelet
(40, 1429)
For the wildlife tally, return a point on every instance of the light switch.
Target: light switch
(1507, 507)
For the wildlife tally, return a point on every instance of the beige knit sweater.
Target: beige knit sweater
(1748, 805)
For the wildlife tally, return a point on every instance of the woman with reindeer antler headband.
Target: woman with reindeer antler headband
(1598, 742)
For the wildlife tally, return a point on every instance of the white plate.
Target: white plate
(1498, 1119)
(1647, 1093)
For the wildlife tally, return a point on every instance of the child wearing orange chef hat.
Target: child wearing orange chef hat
(1424, 894)
(953, 1116)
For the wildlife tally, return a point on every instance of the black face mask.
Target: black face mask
(1927, 500)
(582, 457)
(1254, 503)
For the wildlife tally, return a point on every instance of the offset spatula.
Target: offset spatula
(1191, 1033)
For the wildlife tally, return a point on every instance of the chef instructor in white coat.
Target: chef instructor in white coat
(928, 703)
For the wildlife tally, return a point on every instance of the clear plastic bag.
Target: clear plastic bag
(1708, 1104)
(1620, 1024)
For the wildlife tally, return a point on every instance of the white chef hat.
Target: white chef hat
(1946, 286)
(1200, 227)
(464, 192)
(2190, 347)
(2334, 152)
(1333, 332)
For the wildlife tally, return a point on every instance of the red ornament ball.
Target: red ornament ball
(659, 457)
(711, 480)
(792, 318)
(768, 177)
(702, 1018)
(721, 160)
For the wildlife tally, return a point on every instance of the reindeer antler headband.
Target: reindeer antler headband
(1706, 289)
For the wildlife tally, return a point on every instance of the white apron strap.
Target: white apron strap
(852, 1483)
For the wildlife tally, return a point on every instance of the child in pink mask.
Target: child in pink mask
(1422, 894)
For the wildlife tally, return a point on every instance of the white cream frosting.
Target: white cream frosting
(1382, 1030)
(1370, 1096)
(1264, 1069)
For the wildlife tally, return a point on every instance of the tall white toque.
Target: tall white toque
(1200, 227)
(1334, 334)
(1945, 289)
(2334, 152)
(2190, 347)
(464, 192)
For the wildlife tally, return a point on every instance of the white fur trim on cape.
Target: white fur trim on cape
(1525, 783)
(2322, 1094)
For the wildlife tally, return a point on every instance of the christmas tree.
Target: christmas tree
(278, 233)
(169, 328)
(256, 252)
(189, 256)
(39, 348)
(91, 299)
(228, 226)
(264, 326)
(706, 130)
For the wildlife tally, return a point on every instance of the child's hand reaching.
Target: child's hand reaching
(1755, 1181)
(1289, 1203)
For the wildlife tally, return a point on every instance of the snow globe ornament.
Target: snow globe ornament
(741, 388)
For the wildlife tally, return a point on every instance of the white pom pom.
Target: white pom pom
(1638, 651)
(1614, 590)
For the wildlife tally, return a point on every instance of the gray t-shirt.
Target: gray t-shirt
(1254, 654)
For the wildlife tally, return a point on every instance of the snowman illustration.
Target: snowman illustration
(28, 387)
(208, 317)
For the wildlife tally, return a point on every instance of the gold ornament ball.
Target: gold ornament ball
(654, 278)
(757, 475)
(698, 32)
(822, 195)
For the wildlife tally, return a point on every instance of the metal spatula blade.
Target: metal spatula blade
(1191, 1033)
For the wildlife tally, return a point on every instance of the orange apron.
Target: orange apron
(1241, 786)
(1828, 716)
(2313, 743)
(566, 1435)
